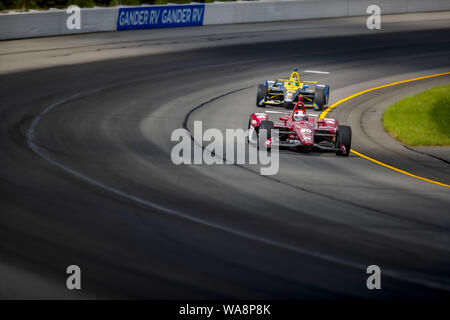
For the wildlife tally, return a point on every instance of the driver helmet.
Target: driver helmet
(294, 81)
(299, 115)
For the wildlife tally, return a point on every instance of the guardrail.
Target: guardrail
(53, 22)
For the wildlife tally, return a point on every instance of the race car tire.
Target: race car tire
(343, 137)
(267, 125)
(261, 95)
(249, 126)
(321, 96)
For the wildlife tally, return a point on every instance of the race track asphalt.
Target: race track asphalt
(86, 176)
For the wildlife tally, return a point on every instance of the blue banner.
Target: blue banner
(160, 17)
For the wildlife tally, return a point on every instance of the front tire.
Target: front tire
(261, 95)
(343, 138)
(268, 126)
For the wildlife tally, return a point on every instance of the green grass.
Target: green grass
(422, 119)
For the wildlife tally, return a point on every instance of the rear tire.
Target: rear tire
(261, 95)
(321, 96)
(267, 125)
(343, 137)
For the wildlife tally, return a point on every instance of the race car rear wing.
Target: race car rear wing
(304, 81)
(288, 113)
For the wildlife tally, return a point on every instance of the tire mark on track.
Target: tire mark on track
(427, 154)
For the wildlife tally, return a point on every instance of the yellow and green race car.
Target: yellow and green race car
(285, 92)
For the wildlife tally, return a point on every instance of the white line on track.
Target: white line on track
(322, 256)
(314, 71)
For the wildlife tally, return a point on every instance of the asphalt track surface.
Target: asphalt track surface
(87, 178)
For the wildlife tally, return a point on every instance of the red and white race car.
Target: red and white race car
(298, 130)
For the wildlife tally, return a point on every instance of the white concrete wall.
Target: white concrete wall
(49, 23)
(428, 5)
(242, 12)
(30, 25)
(38, 24)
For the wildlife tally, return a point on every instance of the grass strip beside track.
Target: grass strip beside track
(422, 119)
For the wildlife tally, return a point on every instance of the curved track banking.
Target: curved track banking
(97, 187)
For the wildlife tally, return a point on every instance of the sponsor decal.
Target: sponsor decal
(160, 17)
